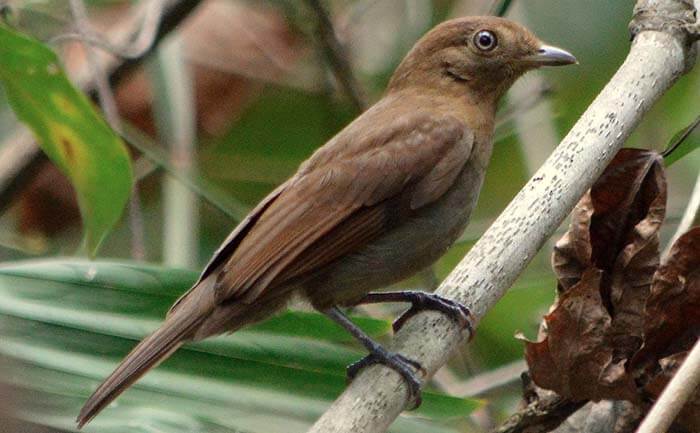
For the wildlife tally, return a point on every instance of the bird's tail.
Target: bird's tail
(147, 354)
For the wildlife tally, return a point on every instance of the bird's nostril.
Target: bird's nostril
(541, 51)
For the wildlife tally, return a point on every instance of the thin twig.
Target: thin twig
(337, 56)
(677, 393)
(489, 380)
(136, 225)
(688, 219)
(111, 112)
(142, 40)
(176, 121)
(154, 157)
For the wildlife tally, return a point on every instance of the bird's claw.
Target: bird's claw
(429, 301)
(399, 363)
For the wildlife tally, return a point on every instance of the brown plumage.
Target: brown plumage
(381, 200)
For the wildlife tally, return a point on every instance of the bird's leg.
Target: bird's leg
(422, 301)
(379, 355)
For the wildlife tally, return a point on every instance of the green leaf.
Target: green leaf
(65, 324)
(69, 130)
(682, 143)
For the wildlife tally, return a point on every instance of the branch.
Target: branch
(176, 121)
(142, 40)
(336, 56)
(683, 385)
(689, 216)
(659, 55)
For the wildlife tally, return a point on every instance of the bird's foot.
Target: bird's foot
(429, 301)
(421, 301)
(399, 363)
(379, 355)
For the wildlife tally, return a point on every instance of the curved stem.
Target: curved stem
(677, 393)
(688, 219)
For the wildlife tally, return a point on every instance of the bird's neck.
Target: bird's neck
(433, 73)
(477, 115)
(476, 110)
(458, 93)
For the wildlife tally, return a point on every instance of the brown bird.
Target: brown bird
(380, 201)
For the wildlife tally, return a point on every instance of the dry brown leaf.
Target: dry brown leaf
(576, 359)
(604, 264)
(632, 268)
(672, 323)
(572, 253)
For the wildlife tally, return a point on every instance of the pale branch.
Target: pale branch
(489, 380)
(690, 215)
(176, 121)
(685, 383)
(659, 55)
(336, 55)
(173, 13)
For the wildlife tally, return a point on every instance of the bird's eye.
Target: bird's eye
(485, 40)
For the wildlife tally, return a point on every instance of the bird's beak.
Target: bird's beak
(550, 56)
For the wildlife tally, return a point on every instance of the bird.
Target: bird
(380, 201)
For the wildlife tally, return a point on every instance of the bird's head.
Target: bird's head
(484, 55)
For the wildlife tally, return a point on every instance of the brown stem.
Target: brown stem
(336, 55)
(541, 416)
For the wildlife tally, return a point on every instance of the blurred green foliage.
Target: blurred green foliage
(64, 324)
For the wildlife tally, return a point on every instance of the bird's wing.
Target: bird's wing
(231, 242)
(344, 196)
